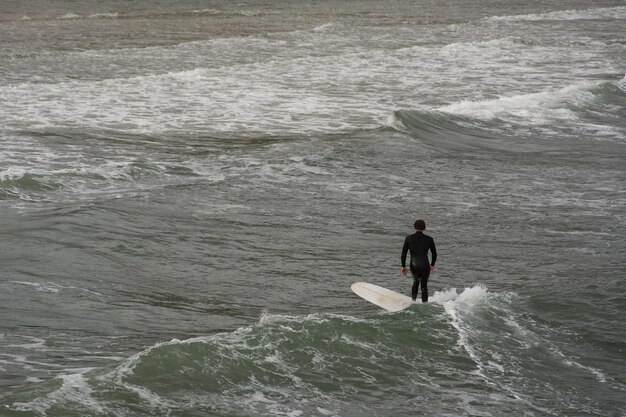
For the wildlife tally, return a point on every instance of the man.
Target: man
(419, 244)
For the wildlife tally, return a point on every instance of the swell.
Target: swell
(129, 14)
(66, 164)
(450, 133)
(567, 15)
(508, 123)
(295, 365)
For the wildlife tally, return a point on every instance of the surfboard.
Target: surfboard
(382, 297)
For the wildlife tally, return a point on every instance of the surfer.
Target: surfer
(419, 244)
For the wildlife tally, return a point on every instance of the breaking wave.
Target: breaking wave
(317, 364)
(588, 107)
(587, 14)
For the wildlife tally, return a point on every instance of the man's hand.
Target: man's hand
(432, 269)
(404, 271)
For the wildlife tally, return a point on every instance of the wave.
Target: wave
(222, 46)
(446, 132)
(65, 16)
(487, 123)
(590, 106)
(537, 108)
(39, 178)
(54, 288)
(615, 13)
(325, 363)
(138, 164)
(137, 14)
(21, 179)
(71, 16)
(231, 97)
(498, 44)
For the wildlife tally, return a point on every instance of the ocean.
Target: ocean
(189, 188)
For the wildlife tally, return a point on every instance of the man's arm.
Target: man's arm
(405, 249)
(433, 253)
(403, 271)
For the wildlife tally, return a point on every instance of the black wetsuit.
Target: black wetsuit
(419, 244)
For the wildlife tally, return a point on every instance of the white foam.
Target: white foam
(526, 338)
(261, 404)
(207, 11)
(288, 90)
(12, 173)
(469, 295)
(277, 97)
(41, 286)
(444, 295)
(104, 16)
(268, 318)
(587, 14)
(90, 176)
(274, 359)
(301, 82)
(458, 324)
(152, 399)
(325, 27)
(360, 344)
(54, 288)
(538, 108)
(36, 343)
(577, 232)
(600, 377)
(480, 46)
(395, 123)
(74, 388)
(23, 361)
(457, 306)
(70, 16)
(473, 295)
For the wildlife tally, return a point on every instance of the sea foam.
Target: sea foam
(587, 14)
(538, 108)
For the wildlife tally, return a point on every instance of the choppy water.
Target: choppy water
(188, 189)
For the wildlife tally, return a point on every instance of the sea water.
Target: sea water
(188, 189)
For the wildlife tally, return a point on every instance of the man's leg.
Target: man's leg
(416, 285)
(424, 289)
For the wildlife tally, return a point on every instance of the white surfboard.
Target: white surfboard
(382, 297)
